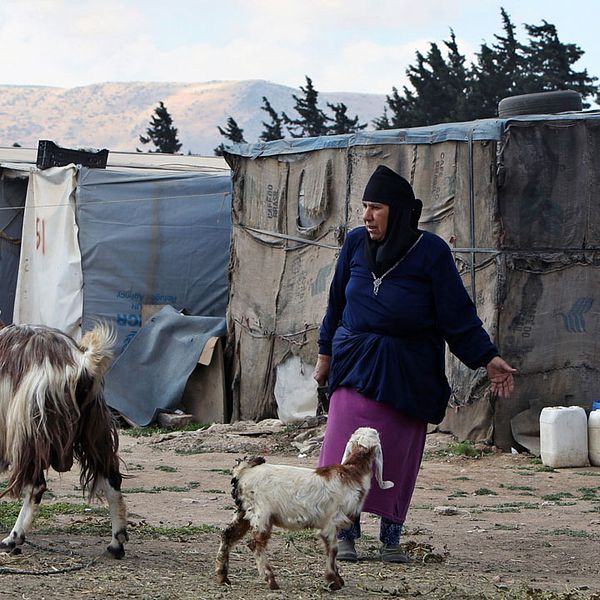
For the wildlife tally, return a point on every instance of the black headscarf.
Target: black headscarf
(387, 187)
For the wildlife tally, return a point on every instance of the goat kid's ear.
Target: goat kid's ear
(384, 485)
(347, 452)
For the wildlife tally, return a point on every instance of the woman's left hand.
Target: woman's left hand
(501, 376)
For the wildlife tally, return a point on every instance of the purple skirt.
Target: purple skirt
(402, 440)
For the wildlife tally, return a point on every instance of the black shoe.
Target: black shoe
(393, 554)
(347, 551)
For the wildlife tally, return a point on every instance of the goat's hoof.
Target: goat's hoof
(16, 551)
(273, 585)
(223, 580)
(336, 584)
(7, 546)
(118, 552)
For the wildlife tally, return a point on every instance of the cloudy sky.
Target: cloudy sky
(344, 45)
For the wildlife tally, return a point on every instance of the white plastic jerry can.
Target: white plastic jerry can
(594, 437)
(564, 436)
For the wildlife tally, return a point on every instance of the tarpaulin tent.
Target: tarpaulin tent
(99, 244)
(80, 245)
(517, 200)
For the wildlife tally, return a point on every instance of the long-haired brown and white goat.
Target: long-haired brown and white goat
(327, 498)
(52, 411)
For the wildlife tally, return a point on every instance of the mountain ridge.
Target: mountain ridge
(113, 114)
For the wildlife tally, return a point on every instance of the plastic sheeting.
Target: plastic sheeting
(49, 286)
(13, 190)
(152, 239)
(151, 374)
(484, 129)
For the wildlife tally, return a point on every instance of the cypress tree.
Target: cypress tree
(312, 120)
(550, 63)
(272, 130)
(342, 123)
(161, 132)
(232, 132)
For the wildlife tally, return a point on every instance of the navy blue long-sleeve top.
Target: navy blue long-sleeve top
(390, 346)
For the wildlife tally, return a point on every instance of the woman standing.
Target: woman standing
(395, 299)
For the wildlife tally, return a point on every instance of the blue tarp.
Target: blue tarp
(12, 201)
(152, 238)
(483, 129)
(151, 374)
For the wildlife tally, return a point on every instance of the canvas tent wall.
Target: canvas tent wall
(516, 199)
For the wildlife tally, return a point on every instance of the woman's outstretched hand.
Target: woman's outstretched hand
(501, 376)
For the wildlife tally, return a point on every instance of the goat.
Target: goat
(326, 498)
(52, 410)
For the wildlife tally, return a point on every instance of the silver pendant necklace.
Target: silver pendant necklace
(378, 280)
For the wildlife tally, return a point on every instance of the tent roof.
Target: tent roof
(24, 158)
(483, 129)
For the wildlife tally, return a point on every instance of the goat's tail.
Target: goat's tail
(97, 441)
(96, 347)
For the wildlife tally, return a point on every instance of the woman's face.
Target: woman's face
(375, 216)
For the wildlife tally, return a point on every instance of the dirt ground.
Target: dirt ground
(491, 526)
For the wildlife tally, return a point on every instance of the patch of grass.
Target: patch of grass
(578, 533)
(422, 506)
(9, 511)
(153, 429)
(525, 473)
(155, 531)
(557, 496)
(511, 507)
(213, 491)
(465, 448)
(536, 460)
(291, 537)
(521, 488)
(589, 493)
(588, 473)
(190, 451)
(166, 469)
(135, 467)
(227, 472)
(485, 492)
(506, 526)
(462, 478)
(545, 469)
(458, 494)
(156, 489)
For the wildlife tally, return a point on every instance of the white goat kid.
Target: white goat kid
(327, 498)
(52, 410)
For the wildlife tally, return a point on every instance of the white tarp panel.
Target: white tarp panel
(49, 286)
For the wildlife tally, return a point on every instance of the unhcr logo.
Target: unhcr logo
(573, 320)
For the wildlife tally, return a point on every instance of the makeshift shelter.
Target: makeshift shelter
(79, 245)
(516, 199)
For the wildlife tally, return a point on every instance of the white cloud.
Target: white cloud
(344, 45)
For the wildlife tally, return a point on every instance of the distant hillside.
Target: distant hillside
(113, 115)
